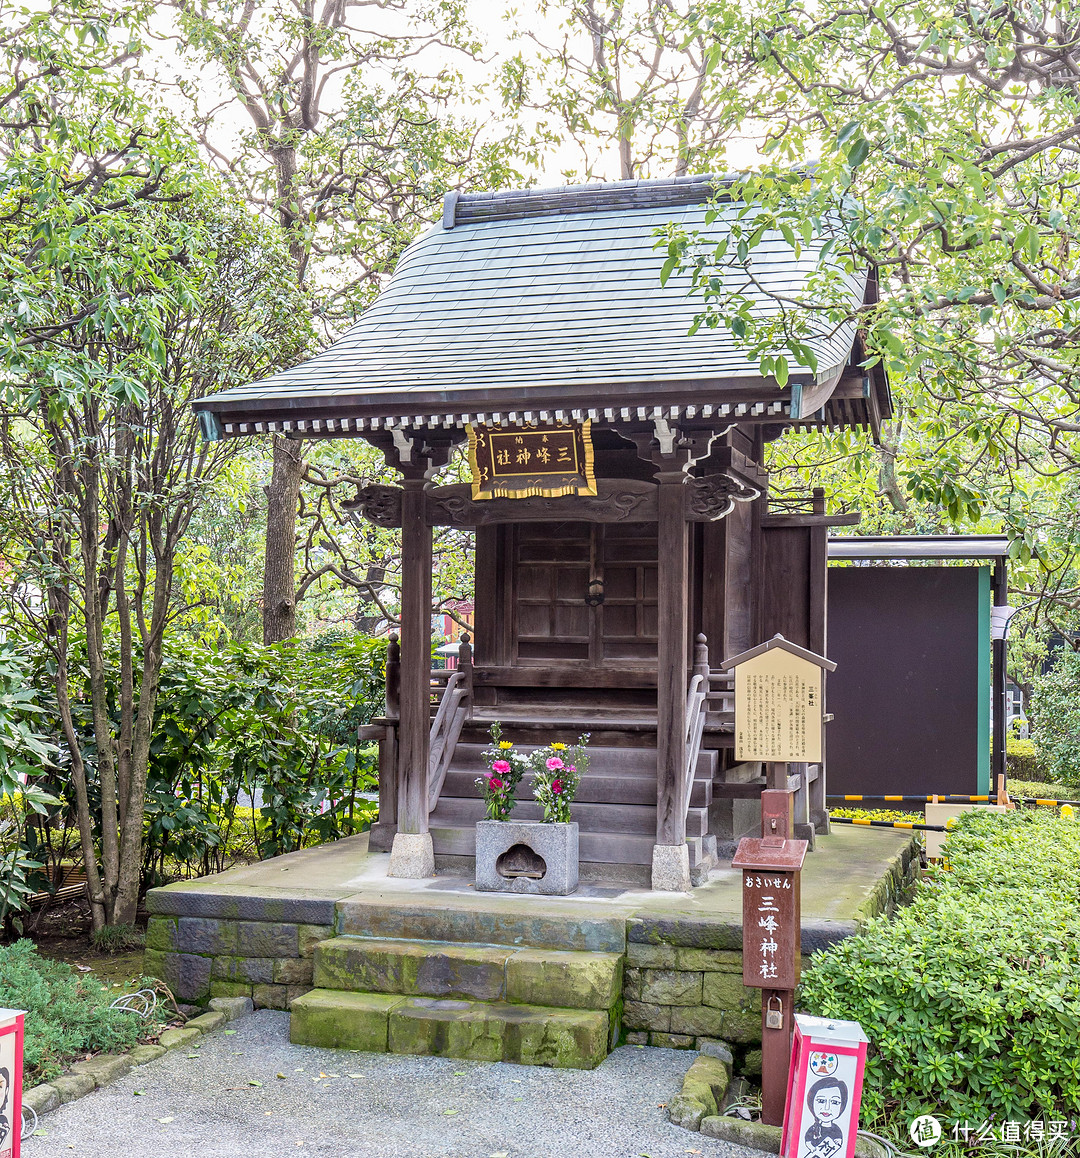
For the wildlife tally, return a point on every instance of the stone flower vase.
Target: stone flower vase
(526, 856)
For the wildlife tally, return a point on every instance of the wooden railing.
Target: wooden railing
(697, 699)
(454, 704)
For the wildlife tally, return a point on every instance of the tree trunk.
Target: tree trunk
(279, 571)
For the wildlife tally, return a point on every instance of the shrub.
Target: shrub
(67, 1013)
(971, 996)
(1038, 790)
(1020, 760)
(1055, 719)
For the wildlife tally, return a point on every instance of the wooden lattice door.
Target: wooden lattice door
(585, 594)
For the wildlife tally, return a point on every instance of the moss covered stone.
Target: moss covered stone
(498, 1031)
(568, 980)
(416, 968)
(336, 1020)
(755, 1135)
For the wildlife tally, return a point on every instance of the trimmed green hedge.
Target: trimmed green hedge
(971, 995)
(67, 1013)
(1020, 759)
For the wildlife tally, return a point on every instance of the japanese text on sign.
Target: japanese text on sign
(769, 915)
(518, 461)
(778, 708)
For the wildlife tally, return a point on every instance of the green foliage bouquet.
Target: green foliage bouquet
(505, 770)
(557, 771)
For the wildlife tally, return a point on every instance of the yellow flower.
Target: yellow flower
(506, 743)
(559, 747)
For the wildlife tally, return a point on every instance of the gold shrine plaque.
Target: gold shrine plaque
(778, 708)
(514, 462)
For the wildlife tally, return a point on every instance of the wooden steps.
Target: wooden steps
(615, 806)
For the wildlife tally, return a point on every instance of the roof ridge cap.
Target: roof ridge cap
(592, 197)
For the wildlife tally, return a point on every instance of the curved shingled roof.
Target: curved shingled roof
(548, 302)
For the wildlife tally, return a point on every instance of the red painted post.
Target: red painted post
(770, 869)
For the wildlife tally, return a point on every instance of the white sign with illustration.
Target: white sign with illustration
(824, 1088)
(10, 1081)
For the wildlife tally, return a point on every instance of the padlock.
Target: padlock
(774, 1017)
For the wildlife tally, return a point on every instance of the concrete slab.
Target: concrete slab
(842, 884)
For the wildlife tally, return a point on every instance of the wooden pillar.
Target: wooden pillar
(671, 864)
(412, 854)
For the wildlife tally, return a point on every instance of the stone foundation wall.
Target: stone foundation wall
(683, 980)
(204, 945)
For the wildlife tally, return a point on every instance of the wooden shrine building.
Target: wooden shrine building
(625, 539)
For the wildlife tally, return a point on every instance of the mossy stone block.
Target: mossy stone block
(105, 1068)
(270, 996)
(708, 1079)
(755, 1135)
(671, 987)
(293, 971)
(267, 939)
(751, 1065)
(206, 935)
(234, 1006)
(726, 991)
(42, 1099)
(161, 934)
(498, 1031)
(651, 956)
(72, 1086)
(708, 960)
(744, 1028)
(642, 1015)
(416, 968)
(178, 1038)
(564, 979)
(207, 1022)
(228, 989)
(249, 970)
(308, 936)
(687, 1111)
(337, 1020)
(671, 1041)
(142, 1054)
(699, 1020)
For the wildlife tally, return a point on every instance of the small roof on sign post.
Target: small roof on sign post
(771, 853)
(778, 641)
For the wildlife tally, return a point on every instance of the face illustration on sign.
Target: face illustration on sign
(6, 1125)
(826, 1100)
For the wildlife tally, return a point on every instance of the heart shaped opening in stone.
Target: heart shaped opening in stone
(521, 861)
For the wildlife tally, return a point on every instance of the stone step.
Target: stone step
(548, 977)
(430, 1027)
(493, 919)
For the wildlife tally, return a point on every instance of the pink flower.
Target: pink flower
(571, 768)
(494, 783)
(556, 786)
(553, 762)
(501, 766)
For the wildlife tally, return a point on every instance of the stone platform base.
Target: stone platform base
(277, 930)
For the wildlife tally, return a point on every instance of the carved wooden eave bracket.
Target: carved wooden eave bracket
(714, 497)
(616, 501)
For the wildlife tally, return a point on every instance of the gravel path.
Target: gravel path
(225, 1098)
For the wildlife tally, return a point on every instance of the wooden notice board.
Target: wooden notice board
(778, 698)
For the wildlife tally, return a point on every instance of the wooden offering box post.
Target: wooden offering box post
(779, 715)
(770, 868)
